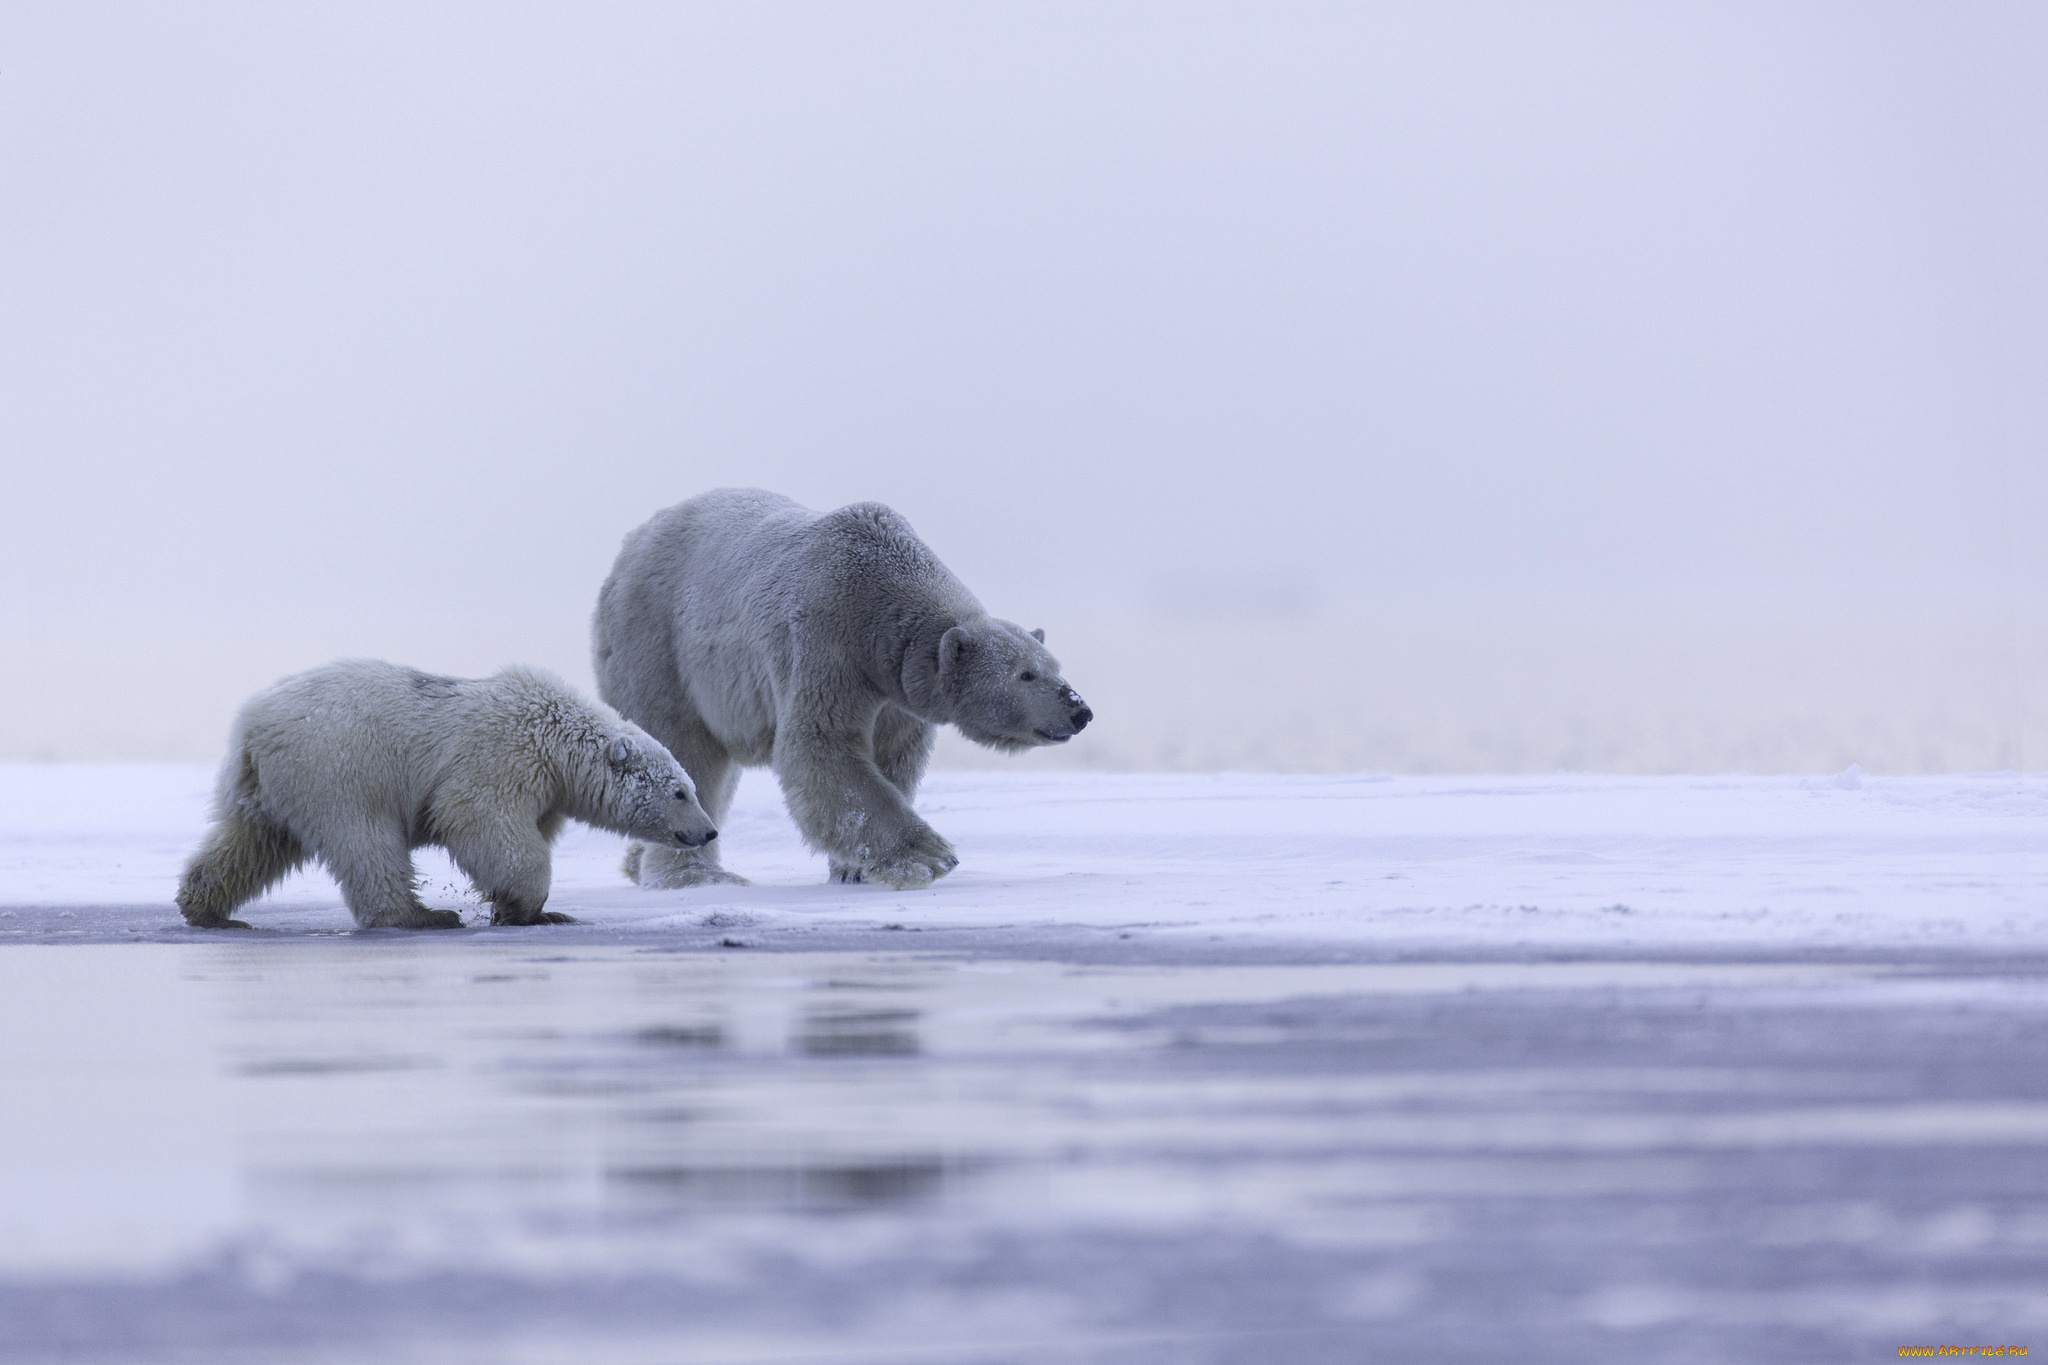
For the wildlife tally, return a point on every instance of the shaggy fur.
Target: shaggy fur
(741, 629)
(360, 762)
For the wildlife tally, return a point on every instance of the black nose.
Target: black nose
(1081, 719)
(687, 842)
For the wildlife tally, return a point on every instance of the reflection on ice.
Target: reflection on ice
(842, 1032)
(791, 1187)
(329, 1066)
(1340, 1144)
(682, 1035)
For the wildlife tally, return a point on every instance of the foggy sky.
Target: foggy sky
(380, 319)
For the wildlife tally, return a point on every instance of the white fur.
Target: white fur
(741, 629)
(360, 762)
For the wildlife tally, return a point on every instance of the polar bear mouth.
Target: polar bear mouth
(1050, 738)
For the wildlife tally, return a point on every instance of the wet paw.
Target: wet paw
(679, 878)
(419, 917)
(919, 861)
(660, 869)
(511, 914)
(906, 875)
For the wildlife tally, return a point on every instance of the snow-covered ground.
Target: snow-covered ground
(1498, 865)
(1173, 1069)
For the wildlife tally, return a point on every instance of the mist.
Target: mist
(1414, 387)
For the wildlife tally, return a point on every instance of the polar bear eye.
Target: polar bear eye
(1027, 676)
(682, 795)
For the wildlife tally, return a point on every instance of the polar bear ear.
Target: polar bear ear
(620, 752)
(1038, 634)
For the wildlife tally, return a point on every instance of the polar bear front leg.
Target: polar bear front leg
(858, 818)
(902, 745)
(374, 868)
(512, 868)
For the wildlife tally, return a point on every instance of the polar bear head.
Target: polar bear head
(647, 795)
(1004, 689)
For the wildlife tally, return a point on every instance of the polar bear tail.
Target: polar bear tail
(631, 866)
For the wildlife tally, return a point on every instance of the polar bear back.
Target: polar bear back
(364, 740)
(719, 606)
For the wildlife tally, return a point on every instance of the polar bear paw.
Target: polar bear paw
(919, 861)
(664, 870)
(419, 917)
(218, 922)
(510, 910)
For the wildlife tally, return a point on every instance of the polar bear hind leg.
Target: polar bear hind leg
(242, 857)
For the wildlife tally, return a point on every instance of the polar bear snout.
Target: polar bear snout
(688, 823)
(1078, 717)
(684, 821)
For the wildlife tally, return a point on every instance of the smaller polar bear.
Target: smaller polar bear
(361, 762)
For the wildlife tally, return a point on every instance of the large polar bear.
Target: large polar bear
(741, 629)
(360, 762)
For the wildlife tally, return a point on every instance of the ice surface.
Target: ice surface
(1174, 1069)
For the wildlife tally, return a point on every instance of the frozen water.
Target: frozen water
(1174, 1069)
